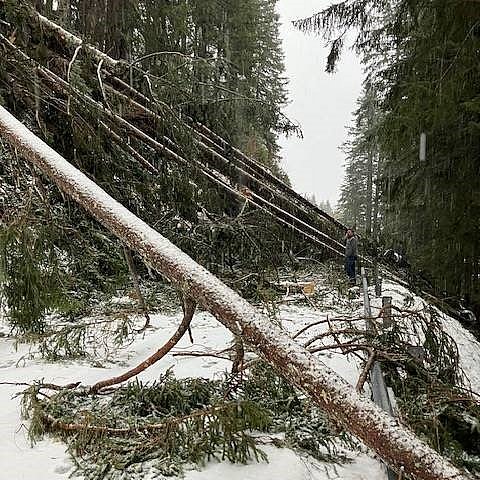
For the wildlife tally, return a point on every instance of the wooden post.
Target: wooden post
(387, 311)
(378, 280)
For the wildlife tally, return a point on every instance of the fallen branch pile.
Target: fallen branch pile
(172, 422)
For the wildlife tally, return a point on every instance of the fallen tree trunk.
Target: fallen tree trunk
(59, 85)
(394, 443)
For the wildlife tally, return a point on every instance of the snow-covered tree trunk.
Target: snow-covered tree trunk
(399, 447)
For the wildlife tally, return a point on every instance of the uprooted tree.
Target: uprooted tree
(398, 446)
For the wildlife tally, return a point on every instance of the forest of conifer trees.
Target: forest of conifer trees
(422, 77)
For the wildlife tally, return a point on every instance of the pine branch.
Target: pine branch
(53, 423)
(366, 370)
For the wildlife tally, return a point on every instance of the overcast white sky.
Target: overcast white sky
(322, 103)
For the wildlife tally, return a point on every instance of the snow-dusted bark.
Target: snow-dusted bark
(75, 41)
(398, 446)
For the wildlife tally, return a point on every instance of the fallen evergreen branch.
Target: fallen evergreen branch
(83, 339)
(189, 310)
(431, 391)
(177, 422)
(421, 363)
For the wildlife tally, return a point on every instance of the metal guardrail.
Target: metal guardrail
(377, 382)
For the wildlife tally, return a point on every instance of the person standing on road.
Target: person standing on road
(350, 255)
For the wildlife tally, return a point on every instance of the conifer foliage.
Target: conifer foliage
(421, 60)
(171, 422)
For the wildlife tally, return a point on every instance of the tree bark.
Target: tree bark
(376, 204)
(136, 286)
(394, 443)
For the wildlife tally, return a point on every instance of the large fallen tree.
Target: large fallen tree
(398, 446)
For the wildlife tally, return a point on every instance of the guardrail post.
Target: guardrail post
(377, 381)
(387, 312)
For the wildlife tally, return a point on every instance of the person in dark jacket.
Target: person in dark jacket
(351, 251)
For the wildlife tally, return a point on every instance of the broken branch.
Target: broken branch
(189, 310)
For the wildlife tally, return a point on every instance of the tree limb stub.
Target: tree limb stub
(366, 369)
(394, 443)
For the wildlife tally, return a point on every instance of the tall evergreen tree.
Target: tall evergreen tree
(422, 61)
(359, 199)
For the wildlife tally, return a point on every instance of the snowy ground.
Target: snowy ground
(47, 460)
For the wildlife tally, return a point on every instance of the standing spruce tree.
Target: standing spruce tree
(359, 203)
(422, 60)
